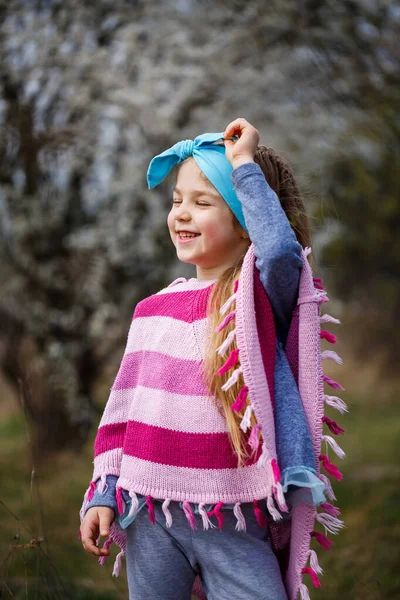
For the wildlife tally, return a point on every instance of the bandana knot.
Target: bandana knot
(186, 148)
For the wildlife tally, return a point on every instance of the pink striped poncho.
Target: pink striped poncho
(148, 456)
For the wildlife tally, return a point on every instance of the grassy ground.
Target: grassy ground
(362, 565)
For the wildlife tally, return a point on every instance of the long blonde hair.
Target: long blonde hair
(279, 176)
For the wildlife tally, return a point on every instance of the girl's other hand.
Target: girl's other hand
(97, 518)
(244, 149)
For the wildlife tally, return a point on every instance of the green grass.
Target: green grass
(362, 565)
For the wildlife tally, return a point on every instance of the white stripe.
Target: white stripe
(173, 337)
(190, 414)
(195, 485)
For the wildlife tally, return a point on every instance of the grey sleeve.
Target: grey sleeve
(106, 499)
(277, 251)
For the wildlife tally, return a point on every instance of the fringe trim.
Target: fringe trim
(335, 447)
(314, 564)
(330, 509)
(328, 487)
(232, 379)
(120, 501)
(240, 401)
(187, 509)
(264, 456)
(261, 520)
(227, 304)
(167, 513)
(329, 319)
(254, 440)
(245, 422)
(134, 505)
(331, 524)
(330, 467)
(218, 513)
(226, 343)
(332, 383)
(337, 403)
(226, 321)
(331, 355)
(241, 521)
(118, 563)
(231, 362)
(303, 590)
(273, 511)
(313, 575)
(206, 521)
(150, 507)
(322, 540)
(333, 426)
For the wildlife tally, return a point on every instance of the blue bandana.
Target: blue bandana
(209, 153)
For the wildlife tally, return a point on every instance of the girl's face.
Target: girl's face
(199, 209)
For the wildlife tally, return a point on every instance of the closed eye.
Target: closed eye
(199, 203)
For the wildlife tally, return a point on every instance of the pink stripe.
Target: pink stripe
(185, 306)
(180, 449)
(161, 372)
(265, 330)
(109, 437)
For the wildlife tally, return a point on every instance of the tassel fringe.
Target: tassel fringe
(225, 322)
(232, 379)
(332, 383)
(330, 467)
(231, 362)
(150, 507)
(218, 513)
(245, 422)
(187, 509)
(331, 355)
(331, 524)
(241, 522)
(227, 304)
(335, 447)
(337, 403)
(333, 426)
(167, 512)
(329, 337)
(328, 487)
(134, 505)
(226, 343)
(261, 520)
(117, 564)
(314, 562)
(303, 590)
(313, 575)
(120, 501)
(254, 440)
(273, 511)
(330, 509)
(329, 319)
(322, 540)
(240, 401)
(206, 521)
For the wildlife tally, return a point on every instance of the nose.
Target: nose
(182, 214)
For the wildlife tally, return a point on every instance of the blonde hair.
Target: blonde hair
(279, 176)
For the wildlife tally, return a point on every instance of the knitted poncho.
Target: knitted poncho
(151, 464)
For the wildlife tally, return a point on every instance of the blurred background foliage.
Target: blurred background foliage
(89, 92)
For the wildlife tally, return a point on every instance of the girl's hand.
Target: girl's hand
(97, 517)
(244, 149)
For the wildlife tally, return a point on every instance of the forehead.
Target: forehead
(190, 179)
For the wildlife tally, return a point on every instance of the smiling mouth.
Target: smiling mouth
(187, 237)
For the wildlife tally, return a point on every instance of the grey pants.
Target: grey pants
(162, 562)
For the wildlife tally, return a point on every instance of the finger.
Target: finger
(235, 126)
(89, 535)
(105, 523)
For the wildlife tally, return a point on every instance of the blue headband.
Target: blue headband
(210, 158)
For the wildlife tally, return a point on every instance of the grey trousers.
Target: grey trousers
(163, 562)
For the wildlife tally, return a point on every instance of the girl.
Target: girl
(205, 467)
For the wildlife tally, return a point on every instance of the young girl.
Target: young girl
(205, 469)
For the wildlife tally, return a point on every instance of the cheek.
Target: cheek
(171, 221)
